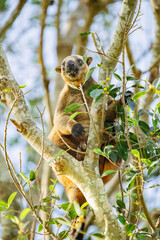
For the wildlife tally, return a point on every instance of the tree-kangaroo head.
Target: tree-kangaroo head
(73, 69)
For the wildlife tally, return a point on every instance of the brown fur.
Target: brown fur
(64, 125)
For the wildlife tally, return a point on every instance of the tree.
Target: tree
(143, 150)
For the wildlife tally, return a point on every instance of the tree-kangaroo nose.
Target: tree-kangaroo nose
(70, 64)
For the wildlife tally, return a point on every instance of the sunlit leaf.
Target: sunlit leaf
(108, 172)
(89, 73)
(74, 115)
(77, 208)
(72, 107)
(138, 95)
(136, 153)
(40, 227)
(24, 213)
(11, 198)
(117, 77)
(98, 151)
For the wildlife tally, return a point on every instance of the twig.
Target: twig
(12, 18)
(33, 228)
(120, 183)
(41, 116)
(20, 167)
(45, 4)
(111, 58)
(84, 99)
(68, 145)
(134, 21)
(136, 72)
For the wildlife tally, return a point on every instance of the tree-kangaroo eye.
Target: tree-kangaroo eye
(80, 62)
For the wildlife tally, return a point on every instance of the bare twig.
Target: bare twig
(69, 147)
(45, 4)
(103, 54)
(41, 116)
(136, 72)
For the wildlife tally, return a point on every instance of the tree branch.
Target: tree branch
(12, 18)
(45, 4)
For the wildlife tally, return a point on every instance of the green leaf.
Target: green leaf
(122, 149)
(138, 95)
(84, 58)
(155, 122)
(156, 83)
(113, 156)
(117, 77)
(131, 104)
(59, 154)
(98, 151)
(24, 213)
(85, 34)
(65, 206)
(74, 115)
(129, 78)
(11, 198)
(35, 187)
(24, 177)
(98, 236)
(93, 87)
(84, 205)
(144, 127)
(155, 185)
(74, 87)
(89, 73)
(63, 221)
(146, 161)
(129, 228)
(2, 209)
(135, 153)
(109, 146)
(108, 172)
(131, 183)
(22, 86)
(3, 204)
(40, 227)
(122, 219)
(63, 234)
(72, 107)
(7, 90)
(77, 208)
(47, 199)
(32, 175)
(134, 195)
(9, 216)
(107, 150)
(121, 204)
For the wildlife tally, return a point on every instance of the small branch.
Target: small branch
(45, 4)
(103, 54)
(41, 116)
(136, 72)
(69, 147)
(12, 18)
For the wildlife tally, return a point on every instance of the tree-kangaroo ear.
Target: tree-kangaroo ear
(89, 60)
(58, 69)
